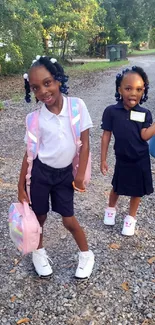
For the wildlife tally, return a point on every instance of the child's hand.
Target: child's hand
(104, 167)
(22, 195)
(78, 185)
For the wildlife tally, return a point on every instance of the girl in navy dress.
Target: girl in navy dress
(131, 126)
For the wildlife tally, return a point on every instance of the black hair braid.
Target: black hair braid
(45, 61)
(27, 91)
(119, 78)
(141, 73)
(56, 71)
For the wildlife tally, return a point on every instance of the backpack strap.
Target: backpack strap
(75, 119)
(74, 107)
(32, 128)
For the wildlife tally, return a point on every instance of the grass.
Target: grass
(94, 66)
(142, 52)
(17, 97)
(1, 105)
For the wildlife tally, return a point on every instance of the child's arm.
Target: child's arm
(83, 160)
(148, 129)
(106, 137)
(147, 133)
(22, 195)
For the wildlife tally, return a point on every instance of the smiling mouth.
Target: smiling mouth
(47, 99)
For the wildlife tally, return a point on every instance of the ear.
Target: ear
(59, 83)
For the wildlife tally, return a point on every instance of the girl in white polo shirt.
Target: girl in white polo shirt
(52, 169)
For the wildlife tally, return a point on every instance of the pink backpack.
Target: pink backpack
(32, 126)
(24, 227)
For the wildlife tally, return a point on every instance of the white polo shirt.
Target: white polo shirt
(57, 147)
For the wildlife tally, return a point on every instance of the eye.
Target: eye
(128, 88)
(34, 88)
(48, 82)
(139, 89)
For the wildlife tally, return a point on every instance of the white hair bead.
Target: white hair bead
(34, 61)
(25, 76)
(38, 57)
(53, 60)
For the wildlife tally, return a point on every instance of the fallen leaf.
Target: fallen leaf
(8, 185)
(114, 246)
(23, 321)
(146, 322)
(151, 260)
(125, 286)
(13, 298)
(16, 261)
(12, 271)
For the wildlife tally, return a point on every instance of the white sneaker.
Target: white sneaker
(129, 226)
(85, 266)
(40, 262)
(109, 217)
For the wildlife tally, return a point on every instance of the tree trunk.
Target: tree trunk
(149, 36)
(64, 48)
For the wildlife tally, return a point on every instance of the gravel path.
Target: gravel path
(121, 290)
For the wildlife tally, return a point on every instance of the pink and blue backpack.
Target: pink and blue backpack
(24, 227)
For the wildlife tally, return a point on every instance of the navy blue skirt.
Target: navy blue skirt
(133, 178)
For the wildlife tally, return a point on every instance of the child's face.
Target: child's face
(44, 86)
(131, 89)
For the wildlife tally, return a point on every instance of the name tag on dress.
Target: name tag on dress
(137, 116)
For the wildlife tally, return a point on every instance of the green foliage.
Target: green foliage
(16, 59)
(94, 66)
(152, 39)
(73, 26)
(1, 105)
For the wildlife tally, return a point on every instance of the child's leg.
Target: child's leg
(86, 257)
(134, 204)
(130, 221)
(73, 226)
(110, 211)
(41, 220)
(40, 257)
(113, 199)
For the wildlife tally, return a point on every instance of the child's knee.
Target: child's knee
(70, 223)
(42, 219)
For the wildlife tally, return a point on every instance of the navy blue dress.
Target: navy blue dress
(132, 175)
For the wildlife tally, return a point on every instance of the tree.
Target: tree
(20, 32)
(71, 22)
(132, 18)
(149, 8)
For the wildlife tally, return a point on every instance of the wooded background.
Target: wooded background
(68, 28)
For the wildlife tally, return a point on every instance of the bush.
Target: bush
(152, 39)
(16, 59)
